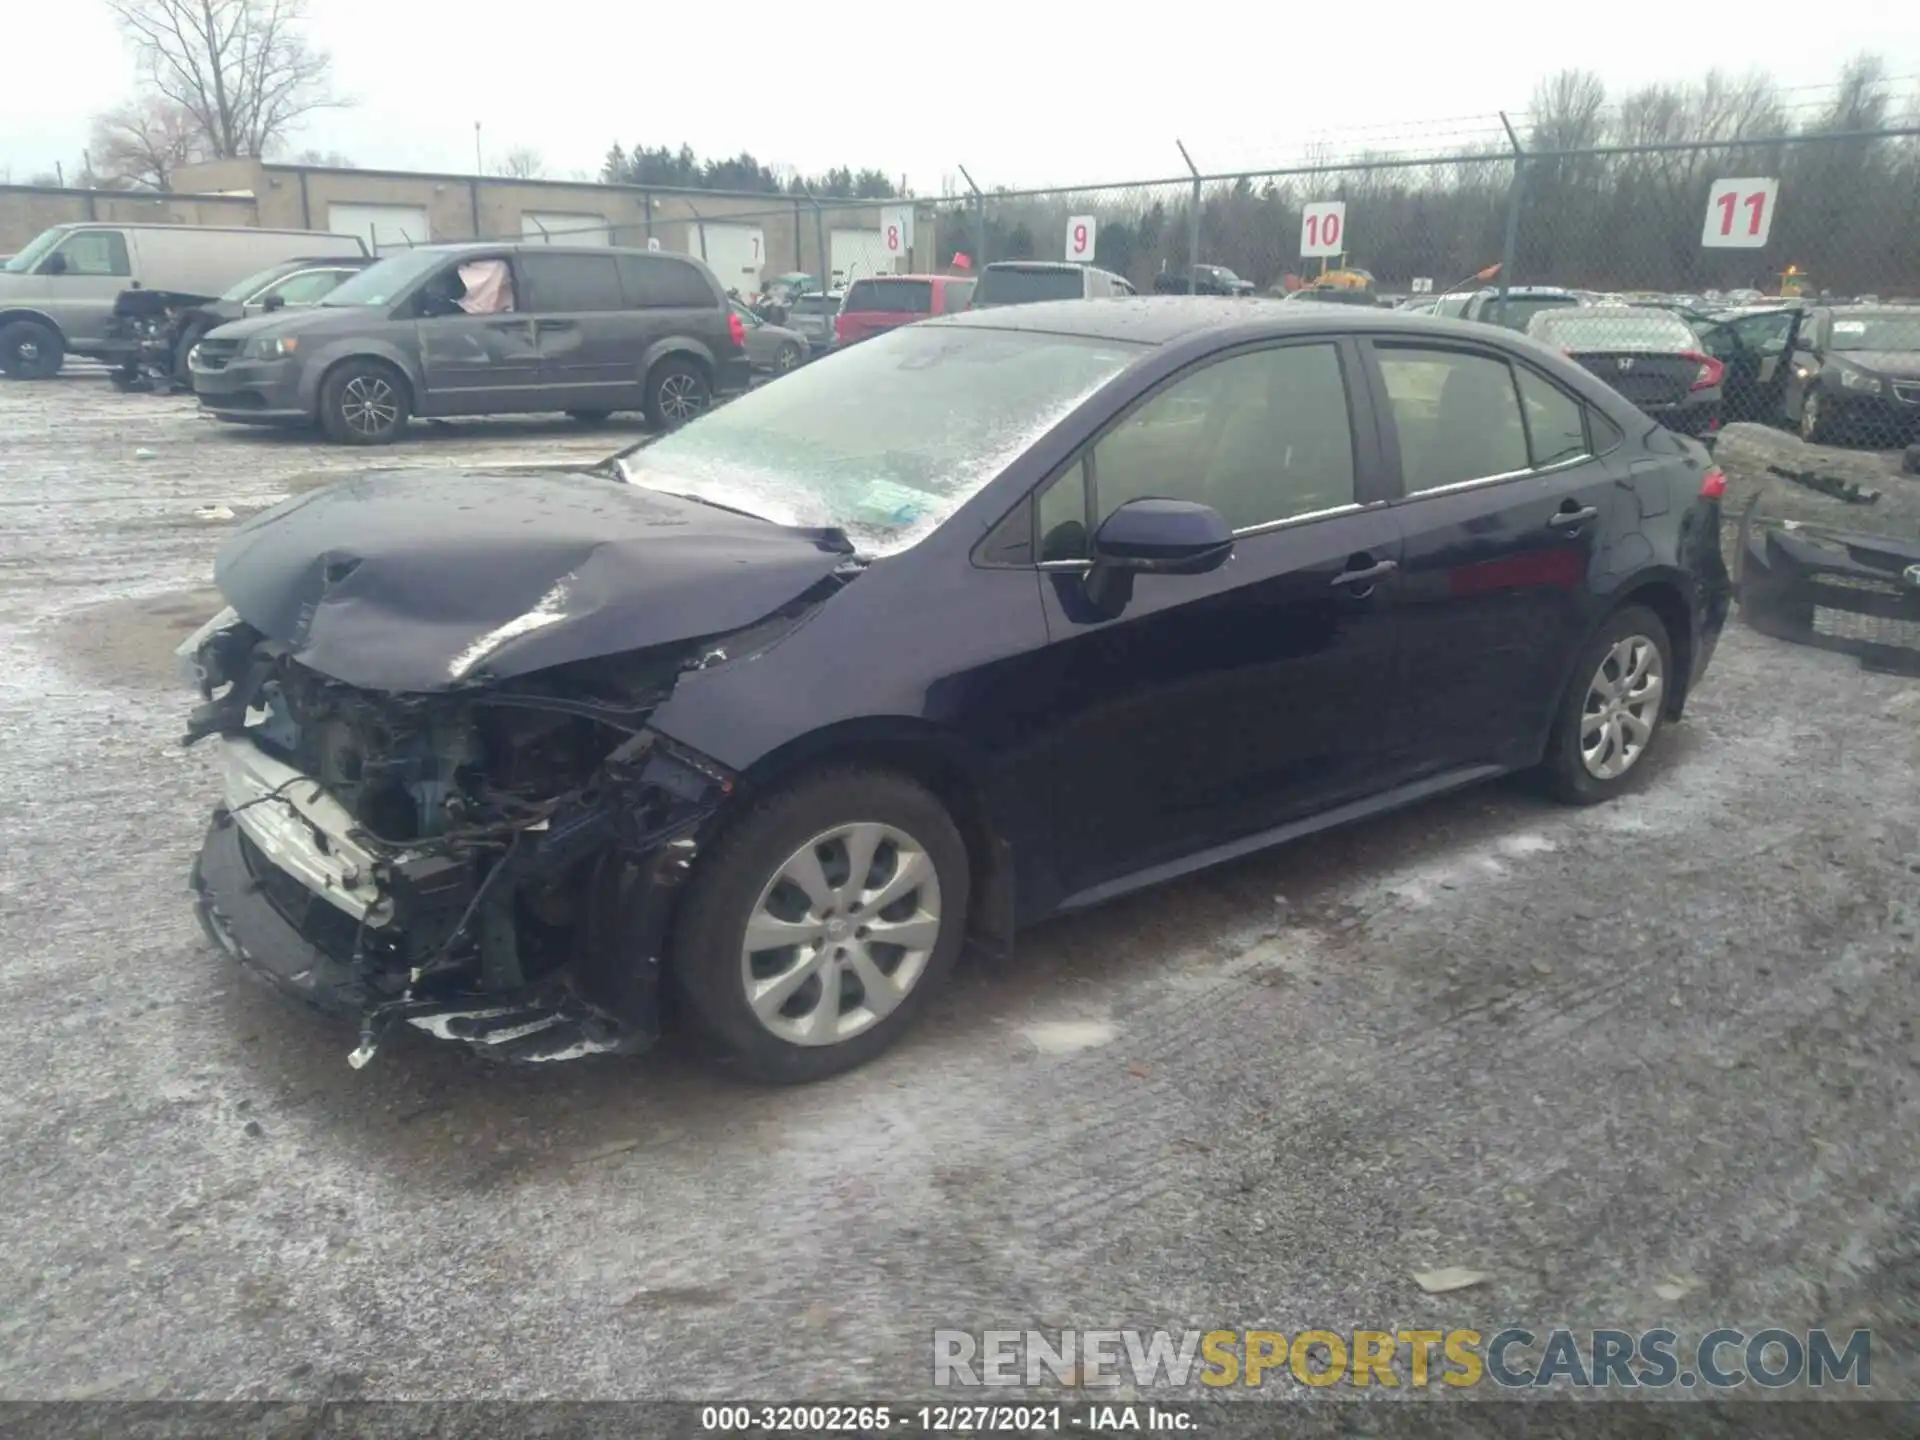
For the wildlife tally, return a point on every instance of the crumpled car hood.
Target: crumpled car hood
(425, 581)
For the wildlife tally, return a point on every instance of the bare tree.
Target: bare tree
(240, 68)
(325, 160)
(521, 163)
(143, 142)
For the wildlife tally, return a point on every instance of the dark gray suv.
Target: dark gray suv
(481, 329)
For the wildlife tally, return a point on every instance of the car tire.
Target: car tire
(590, 417)
(1816, 426)
(677, 391)
(787, 357)
(31, 351)
(183, 352)
(364, 402)
(1597, 747)
(810, 1031)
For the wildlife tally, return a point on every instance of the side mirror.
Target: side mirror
(1155, 537)
(54, 264)
(273, 303)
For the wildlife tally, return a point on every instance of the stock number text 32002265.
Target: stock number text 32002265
(939, 1419)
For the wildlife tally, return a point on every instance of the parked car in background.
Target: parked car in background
(811, 726)
(1022, 282)
(57, 295)
(1650, 356)
(771, 349)
(886, 302)
(1337, 295)
(810, 315)
(1855, 376)
(1205, 280)
(1520, 304)
(166, 327)
(1756, 344)
(484, 329)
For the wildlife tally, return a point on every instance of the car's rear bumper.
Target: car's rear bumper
(1835, 589)
(733, 375)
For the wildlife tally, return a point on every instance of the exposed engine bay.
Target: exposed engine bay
(493, 860)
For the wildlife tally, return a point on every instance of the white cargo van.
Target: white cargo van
(57, 294)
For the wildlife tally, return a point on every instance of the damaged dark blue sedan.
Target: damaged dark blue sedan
(991, 618)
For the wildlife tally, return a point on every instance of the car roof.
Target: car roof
(1165, 319)
(866, 279)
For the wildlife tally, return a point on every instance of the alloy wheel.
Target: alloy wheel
(1622, 707)
(786, 358)
(680, 397)
(841, 934)
(369, 405)
(27, 352)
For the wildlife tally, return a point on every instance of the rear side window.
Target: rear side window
(308, 286)
(1024, 287)
(1456, 415)
(96, 252)
(911, 297)
(1556, 422)
(660, 282)
(956, 295)
(565, 284)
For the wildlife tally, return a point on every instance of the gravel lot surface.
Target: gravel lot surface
(1660, 1048)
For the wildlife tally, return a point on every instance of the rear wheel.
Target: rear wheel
(818, 925)
(677, 391)
(31, 351)
(786, 358)
(1612, 710)
(363, 402)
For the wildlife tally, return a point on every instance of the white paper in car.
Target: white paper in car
(883, 502)
(489, 287)
(1849, 327)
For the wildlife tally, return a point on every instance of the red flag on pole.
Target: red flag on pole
(962, 261)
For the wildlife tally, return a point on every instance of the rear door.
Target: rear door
(1509, 504)
(474, 364)
(1214, 707)
(591, 346)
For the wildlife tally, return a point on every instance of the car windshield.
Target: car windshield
(1579, 329)
(1021, 285)
(38, 246)
(384, 279)
(1900, 333)
(885, 440)
(259, 280)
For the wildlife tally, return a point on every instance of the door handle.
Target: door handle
(556, 325)
(1572, 519)
(1366, 576)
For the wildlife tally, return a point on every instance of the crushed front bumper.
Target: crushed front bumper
(287, 884)
(1836, 589)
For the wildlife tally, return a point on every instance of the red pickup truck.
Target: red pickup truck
(888, 301)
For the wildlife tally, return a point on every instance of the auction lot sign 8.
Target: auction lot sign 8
(1739, 214)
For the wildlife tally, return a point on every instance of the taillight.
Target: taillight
(1713, 485)
(839, 327)
(1710, 370)
(737, 328)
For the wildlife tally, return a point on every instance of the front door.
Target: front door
(478, 351)
(78, 281)
(1756, 350)
(1509, 503)
(1212, 707)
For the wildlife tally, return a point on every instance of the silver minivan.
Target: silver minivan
(57, 294)
(1024, 282)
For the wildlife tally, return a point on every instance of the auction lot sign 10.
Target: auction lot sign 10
(1739, 214)
(1323, 228)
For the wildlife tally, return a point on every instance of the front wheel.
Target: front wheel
(1612, 710)
(817, 927)
(1816, 426)
(677, 391)
(31, 351)
(363, 402)
(786, 358)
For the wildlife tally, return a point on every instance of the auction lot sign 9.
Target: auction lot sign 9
(1739, 214)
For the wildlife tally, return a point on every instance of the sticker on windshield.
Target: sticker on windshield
(885, 503)
(1849, 327)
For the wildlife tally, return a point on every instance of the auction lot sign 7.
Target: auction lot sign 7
(1739, 214)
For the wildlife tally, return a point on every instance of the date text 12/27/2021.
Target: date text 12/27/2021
(943, 1419)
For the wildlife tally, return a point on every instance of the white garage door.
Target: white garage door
(736, 253)
(384, 227)
(560, 228)
(857, 255)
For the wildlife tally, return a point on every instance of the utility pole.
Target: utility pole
(478, 167)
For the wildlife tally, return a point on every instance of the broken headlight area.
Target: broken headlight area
(493, 865)
(1836, 589)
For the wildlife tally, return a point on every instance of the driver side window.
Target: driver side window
(1261, 437)
(95, 252)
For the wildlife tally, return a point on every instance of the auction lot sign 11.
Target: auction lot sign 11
(1739, 214)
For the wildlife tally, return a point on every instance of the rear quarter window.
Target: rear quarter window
(660, 282)
(911, 297)
(955, 296)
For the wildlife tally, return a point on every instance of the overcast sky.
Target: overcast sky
(1021, 94)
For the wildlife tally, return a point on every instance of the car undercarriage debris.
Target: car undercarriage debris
(493, 867)
(1826, 482)
(1836, 589)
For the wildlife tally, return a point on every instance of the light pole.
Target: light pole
(478, 167)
